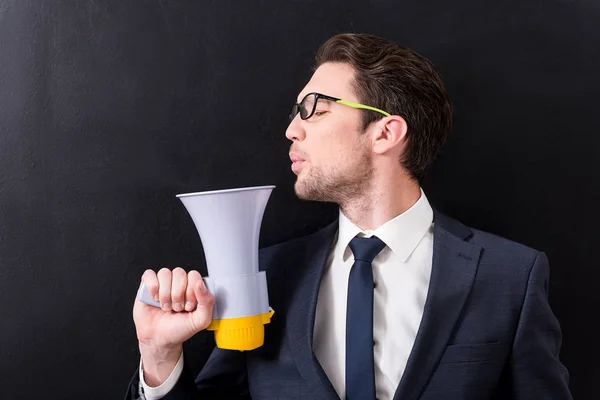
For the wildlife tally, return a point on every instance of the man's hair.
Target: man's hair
(401, 82)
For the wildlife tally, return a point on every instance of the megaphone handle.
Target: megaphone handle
(144, 296)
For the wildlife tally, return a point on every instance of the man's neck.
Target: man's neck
(383, 202)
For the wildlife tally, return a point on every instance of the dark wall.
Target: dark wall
(110, 108)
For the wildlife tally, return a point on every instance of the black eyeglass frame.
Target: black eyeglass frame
(297, 108)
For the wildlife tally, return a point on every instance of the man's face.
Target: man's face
(334, 156)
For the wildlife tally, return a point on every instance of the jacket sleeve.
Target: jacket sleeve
(535, 369)
(222, 377)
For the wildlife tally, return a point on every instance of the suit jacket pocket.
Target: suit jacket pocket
(470, 353)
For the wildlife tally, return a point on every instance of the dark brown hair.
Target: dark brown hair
(401, 82)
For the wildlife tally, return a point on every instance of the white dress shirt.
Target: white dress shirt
(401, 272)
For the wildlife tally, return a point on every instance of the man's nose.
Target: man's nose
(295, 132)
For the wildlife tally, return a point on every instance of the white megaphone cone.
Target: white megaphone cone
(228, 222)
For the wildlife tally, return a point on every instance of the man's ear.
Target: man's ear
(390, 134)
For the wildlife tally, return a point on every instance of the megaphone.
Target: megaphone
(228, 222)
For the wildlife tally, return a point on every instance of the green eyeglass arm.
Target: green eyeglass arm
(362, 106)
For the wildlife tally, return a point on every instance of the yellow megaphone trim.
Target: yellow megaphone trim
(243, 333)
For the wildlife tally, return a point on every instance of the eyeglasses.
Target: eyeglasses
(308, 105)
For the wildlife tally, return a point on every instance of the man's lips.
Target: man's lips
(295, 157)
(297, 161)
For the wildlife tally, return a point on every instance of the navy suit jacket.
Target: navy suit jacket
(487, 330)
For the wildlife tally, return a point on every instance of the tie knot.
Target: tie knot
(366, 249)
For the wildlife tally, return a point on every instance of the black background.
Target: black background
(110, 108)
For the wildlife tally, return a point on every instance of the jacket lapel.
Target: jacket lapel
(312, 259)
(453, 271)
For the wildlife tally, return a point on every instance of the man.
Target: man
(392, 301)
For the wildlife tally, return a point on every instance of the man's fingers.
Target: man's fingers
(151, 281)
(164, 289)
(178, 291)
(203, 315)
(203, 296)
(178, 285)
(190, 296)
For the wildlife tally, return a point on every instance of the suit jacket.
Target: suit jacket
(487, 330)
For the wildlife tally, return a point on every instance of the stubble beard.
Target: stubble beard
(343, 186)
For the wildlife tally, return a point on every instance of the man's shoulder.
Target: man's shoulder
(493, 245)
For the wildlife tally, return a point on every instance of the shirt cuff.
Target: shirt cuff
(155, 393)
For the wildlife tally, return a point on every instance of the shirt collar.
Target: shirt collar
(401, 234)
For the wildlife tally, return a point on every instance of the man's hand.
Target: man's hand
(186, 309)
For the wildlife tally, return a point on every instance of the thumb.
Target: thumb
(202, 315)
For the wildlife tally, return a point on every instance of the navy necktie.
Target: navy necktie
(360, 367)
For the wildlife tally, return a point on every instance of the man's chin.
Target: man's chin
(301, 189)
(304, 191)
